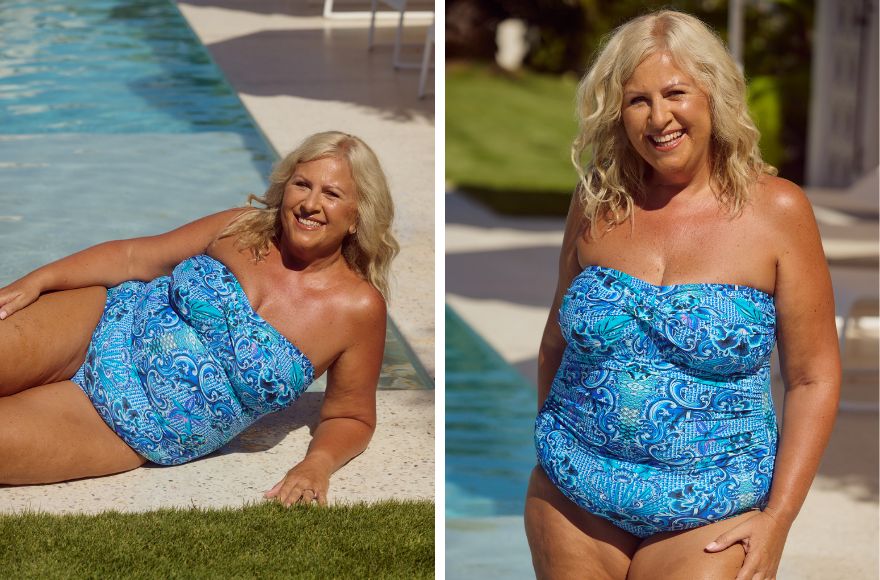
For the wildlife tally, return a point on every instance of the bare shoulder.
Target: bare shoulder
(780, 199)
(364, 304)
(782, 207)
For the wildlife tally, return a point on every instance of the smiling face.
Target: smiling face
(319, 208)
(667, 119)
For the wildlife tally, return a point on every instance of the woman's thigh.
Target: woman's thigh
(47, 341)
(53, 433)
(568, 542)
(674, 555)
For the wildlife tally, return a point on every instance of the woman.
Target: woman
(206, 328)
(684, 259)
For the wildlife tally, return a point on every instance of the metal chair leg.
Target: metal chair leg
(397, 39)
(426, 59)
(373, 8)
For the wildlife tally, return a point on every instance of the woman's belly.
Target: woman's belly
(656, 452)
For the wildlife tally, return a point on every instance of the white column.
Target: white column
(735, 26)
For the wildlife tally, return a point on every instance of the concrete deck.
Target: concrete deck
(298, 74)
(500, 277)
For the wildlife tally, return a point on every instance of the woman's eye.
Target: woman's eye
(636, 100)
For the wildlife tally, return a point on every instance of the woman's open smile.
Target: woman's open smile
(308, 224)
(667, 141)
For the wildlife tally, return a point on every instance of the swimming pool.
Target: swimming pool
(490, 414)
(115, 123)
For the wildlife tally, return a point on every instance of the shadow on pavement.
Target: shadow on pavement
(272, 429)
(523, 276)
(327, 63)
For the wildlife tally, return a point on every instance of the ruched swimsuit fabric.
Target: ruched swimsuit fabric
(180, 365)
(660, 416)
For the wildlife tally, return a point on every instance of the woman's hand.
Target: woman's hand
(763, 537)
(305, 483)
(18, 295)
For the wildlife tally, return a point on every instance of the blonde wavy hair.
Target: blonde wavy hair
(616, 172)
(370, 250)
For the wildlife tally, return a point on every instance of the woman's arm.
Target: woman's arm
(112, 263)
(348, 414)
(552, 341)
(810, 360)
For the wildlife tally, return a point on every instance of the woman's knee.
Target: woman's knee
(13, 444)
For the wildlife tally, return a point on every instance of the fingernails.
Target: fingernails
(712, 546)
(3, 315)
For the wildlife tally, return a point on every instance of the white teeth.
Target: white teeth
(308, 222)
(667, 138)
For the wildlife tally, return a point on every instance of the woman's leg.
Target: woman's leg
(53, 433)
(47, 341)
(673, 555)
(568, 542)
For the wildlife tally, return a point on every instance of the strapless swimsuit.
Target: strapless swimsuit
(179, 366)
(660, 416)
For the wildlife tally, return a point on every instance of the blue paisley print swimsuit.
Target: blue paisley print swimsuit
(179, 366)
(660, 416)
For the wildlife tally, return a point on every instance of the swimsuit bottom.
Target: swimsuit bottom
(644, 496)
(180, 365)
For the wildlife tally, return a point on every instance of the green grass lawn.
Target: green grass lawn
(385, 540)
(508, 137)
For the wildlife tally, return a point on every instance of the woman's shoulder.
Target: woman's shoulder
(360, 301)
(777, 197)
(783, 208)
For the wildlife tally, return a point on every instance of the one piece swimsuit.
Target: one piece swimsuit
(179, 366)
(660, 416)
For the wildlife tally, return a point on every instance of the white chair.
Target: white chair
(847, 222)
(331, 13)
(862, 197)
(400, 7)
(854, 306)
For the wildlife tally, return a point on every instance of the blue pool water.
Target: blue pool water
(109, 66)
(490, 413)
(115, 123)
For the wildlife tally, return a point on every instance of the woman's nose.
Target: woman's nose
(312, 201)
(659, 114)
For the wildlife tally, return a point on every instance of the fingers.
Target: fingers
(9, 305)
(291, 491)
(725, 540)
(298, 495)
(749, 570)
(308, 496)
(274, 491)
